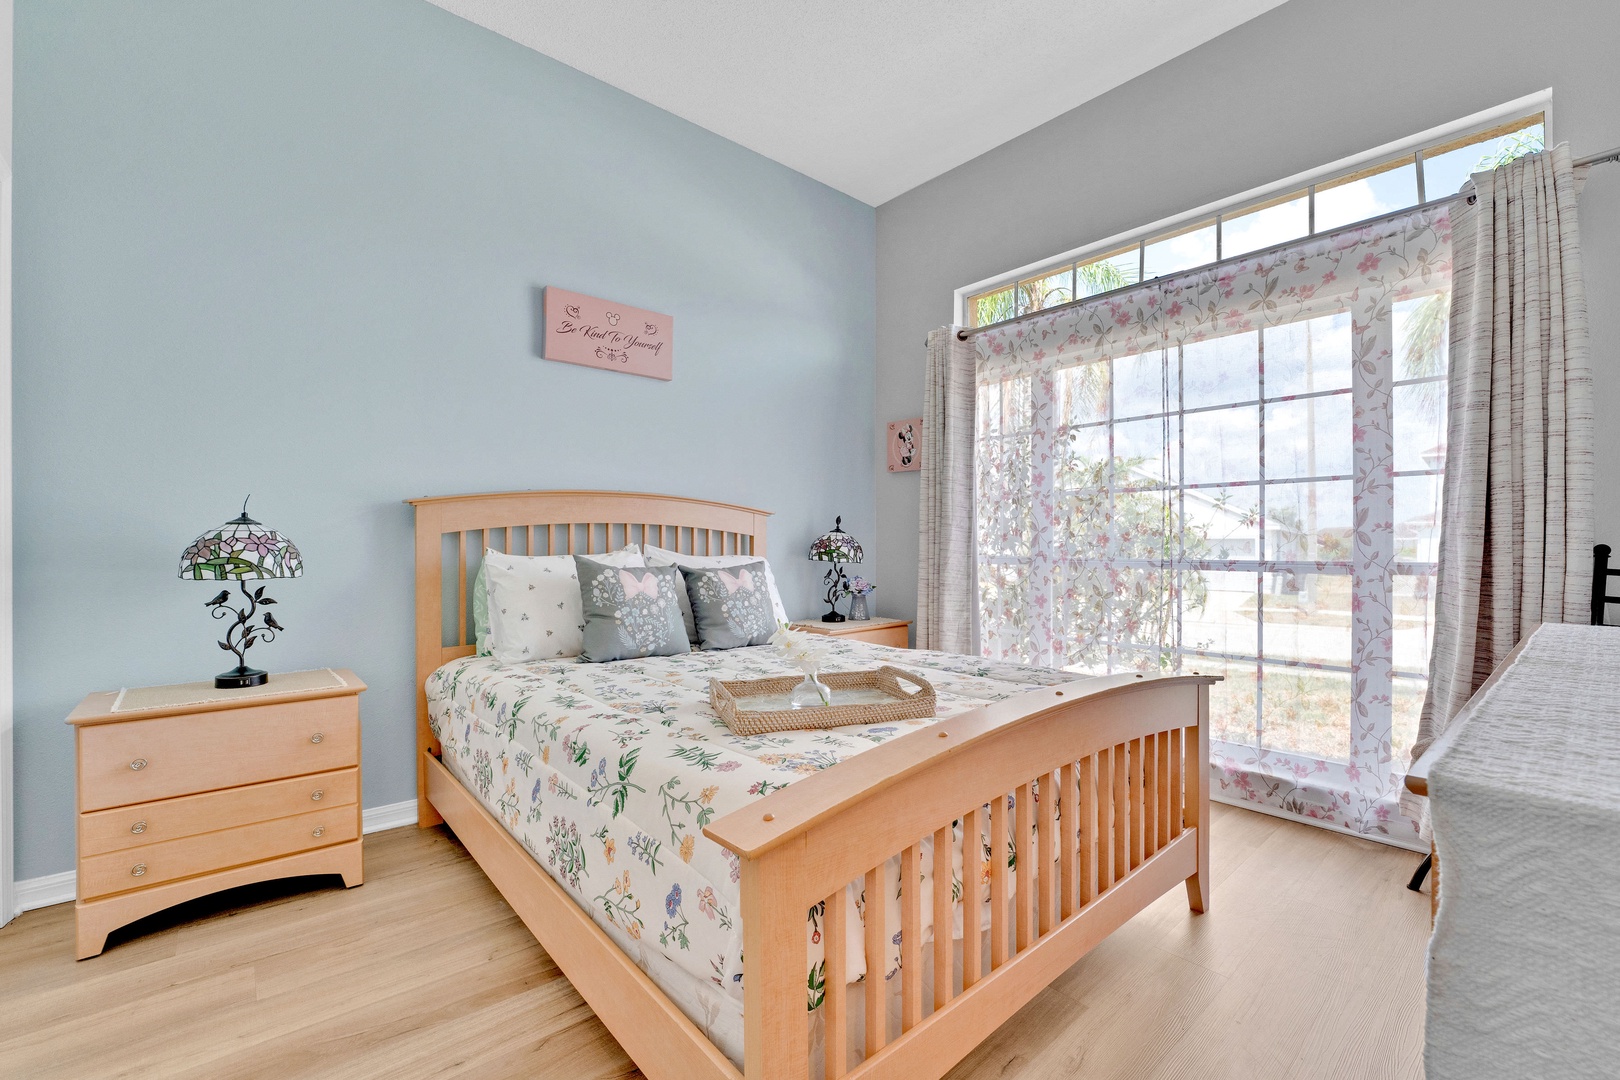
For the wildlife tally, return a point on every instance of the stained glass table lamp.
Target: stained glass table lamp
(837, 547)
(240, 550)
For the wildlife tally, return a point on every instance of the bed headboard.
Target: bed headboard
(452, 532)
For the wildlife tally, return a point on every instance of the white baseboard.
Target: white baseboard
(62, 888)
(392, 816)
(44, 891)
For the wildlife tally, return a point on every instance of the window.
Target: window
(1172, 481)
(1332, 202)
(1240, 473)
(1203, 495)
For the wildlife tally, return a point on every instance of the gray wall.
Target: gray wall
(5, 80)
(1305, 84)
(292, 248)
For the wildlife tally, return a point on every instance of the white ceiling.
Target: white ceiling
(871, 97)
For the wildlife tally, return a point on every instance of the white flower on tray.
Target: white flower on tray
(798, 648)
(804, 652)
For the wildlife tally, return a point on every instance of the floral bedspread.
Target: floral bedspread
(607, 774)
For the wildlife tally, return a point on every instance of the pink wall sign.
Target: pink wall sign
(602, 334)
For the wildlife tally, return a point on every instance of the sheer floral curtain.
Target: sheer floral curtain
(1236, 470)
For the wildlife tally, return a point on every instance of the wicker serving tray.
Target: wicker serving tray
(873, 697)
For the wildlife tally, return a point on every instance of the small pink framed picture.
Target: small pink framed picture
(905, 445)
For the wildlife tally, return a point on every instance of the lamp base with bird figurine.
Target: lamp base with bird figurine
(242, 636)
(240, 677)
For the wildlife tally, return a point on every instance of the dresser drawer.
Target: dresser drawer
(170, 819)
(153, 864)
(141, 761)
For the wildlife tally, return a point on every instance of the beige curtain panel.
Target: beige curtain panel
(1517, 528)
(947, 580)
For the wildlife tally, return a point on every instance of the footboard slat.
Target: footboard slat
(1150, 795)
(972, 897)
(1024, 853)
(1122, 811)
(1096, 806)
(1046, 868)
(1068, 811)
(1086, 774)
(944, 912)
(1135, 782)
(999, 853)
(877, 961)
(834, 939)
(1105, 819)
(1163, 744)
(1176, 823)
(911, 951)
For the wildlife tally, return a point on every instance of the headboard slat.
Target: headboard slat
(461, 587)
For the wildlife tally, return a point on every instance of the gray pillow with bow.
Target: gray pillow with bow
(630, 611)
(731, 606)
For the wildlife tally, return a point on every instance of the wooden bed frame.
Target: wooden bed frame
(1126, 753)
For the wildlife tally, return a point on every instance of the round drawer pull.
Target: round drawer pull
(319, 795)
(317, 737)
(138, 764)
(138, 870)
(138, 827)
(320, 830)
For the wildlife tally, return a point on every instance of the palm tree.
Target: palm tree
(1422, 356)
(1531, 140)
(1049, 291)
(1042, 293)
(993, 308)
(1098, 277)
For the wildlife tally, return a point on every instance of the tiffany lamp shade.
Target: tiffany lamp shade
(837, 547)
(239, 550)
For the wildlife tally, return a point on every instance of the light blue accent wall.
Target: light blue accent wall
(294, 249)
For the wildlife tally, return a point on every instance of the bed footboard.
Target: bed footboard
(1105, 784)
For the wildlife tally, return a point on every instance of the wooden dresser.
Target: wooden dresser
(895, 632)
(187, 790)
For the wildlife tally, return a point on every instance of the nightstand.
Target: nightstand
(895, 632)
(186, 790)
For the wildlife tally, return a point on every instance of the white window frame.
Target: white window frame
(1540, 101)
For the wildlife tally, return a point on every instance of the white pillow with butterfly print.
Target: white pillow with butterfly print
(534, 604)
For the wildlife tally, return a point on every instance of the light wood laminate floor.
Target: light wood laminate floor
(1309, 964)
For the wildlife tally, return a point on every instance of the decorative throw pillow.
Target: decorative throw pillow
(732, 607)
(526, 607)
(630, 612)
(657, 556)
